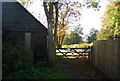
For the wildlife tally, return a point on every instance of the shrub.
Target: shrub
(14, 65)
(12, 56)
(31, 73)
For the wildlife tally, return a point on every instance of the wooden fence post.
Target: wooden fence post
(0, 55)
(0, 40)
(93, 52)
(119, 59)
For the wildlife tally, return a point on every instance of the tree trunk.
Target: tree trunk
(56, 23)
(51, 46)
(62, 40)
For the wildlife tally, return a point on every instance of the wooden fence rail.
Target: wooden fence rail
(78, 52)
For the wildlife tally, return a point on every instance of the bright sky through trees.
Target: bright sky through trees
(89, 17)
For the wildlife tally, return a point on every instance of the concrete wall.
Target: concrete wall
(106, 57)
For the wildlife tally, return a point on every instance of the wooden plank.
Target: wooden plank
(74, 52)
(118, 59)
(71, 55)
(106, 57)
(73, 48)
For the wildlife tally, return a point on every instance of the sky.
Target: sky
(89, 17)
(37, 10)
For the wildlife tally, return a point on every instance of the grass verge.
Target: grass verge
(55, 73)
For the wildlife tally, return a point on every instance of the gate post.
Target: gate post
(89, 55)
(93, 53)
(0, 40)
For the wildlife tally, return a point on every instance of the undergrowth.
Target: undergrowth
(15, 66)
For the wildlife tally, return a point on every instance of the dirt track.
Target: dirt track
(71, 70)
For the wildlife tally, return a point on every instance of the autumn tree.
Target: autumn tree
(49, 11)
(63, 15)
(111, 22)
(70, 12)
(67, 11)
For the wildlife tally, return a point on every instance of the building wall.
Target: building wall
(16, 20)
(106, 57)
(39, 46)
(35, 44)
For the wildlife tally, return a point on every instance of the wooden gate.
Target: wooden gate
(74, 53)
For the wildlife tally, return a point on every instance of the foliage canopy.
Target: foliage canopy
(74, 37)
(111, 22)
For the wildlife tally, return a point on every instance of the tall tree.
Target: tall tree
(74, 37)
(92, 35)
(111, 22)
(49, 11)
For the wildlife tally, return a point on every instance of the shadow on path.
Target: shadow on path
(71, 70)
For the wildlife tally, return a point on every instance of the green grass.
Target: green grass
(39, 72)
(56, 73)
